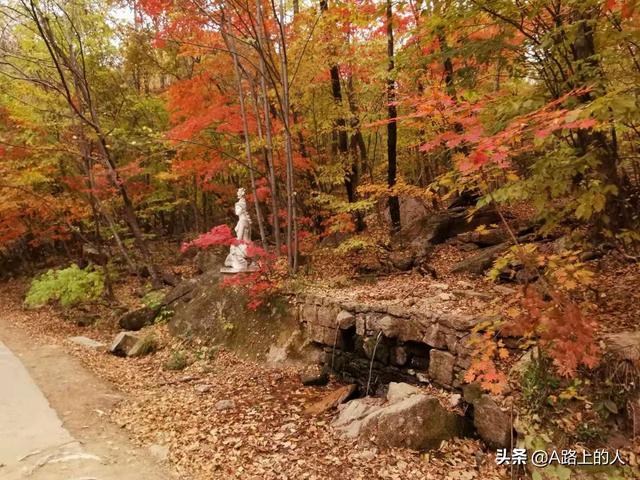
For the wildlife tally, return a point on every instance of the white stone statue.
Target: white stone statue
(237, 260)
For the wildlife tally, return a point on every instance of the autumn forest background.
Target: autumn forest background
(128, 126)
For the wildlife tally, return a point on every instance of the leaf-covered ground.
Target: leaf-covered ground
(265, 435)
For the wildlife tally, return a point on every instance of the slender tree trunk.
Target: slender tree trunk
(268, 130)
(584, 52)
(292, 247)
(392, 127)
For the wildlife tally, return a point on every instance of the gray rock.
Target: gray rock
(418, 422)
(351, 415)
(345, 319)
(399, 356)
(136, 319)
(402, 260)
(504, 290)
(401, 391)
(203, 388)
(86, 342)
(481, 261)
(182, 291)
(439, 226)
(123, 344)
(493, 425)
(445, 297)
(454, 400)
(441, 367)
(93, 255)
(225, 405)
(209, 260)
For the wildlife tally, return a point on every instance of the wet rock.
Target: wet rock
(493, 425)
(124, 344)
(137, 319)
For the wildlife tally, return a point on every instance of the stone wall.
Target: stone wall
(410, 344)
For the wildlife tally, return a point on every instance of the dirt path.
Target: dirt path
(53, 422)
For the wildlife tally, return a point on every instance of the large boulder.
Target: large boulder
(218, 314)
(210, 259)
(417, 422)
(398, 392)
(440, 226)
(491, 422)
(137, 319)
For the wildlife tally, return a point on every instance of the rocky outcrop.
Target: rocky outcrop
(408, 419)
(440, 226)
(204, 308)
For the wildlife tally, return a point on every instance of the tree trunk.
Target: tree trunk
(392, 127)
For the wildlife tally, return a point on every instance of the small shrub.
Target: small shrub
(153, 299)
(177, 361)
(69, 286)
(163, 316)
(538, 383)
(148, 344)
